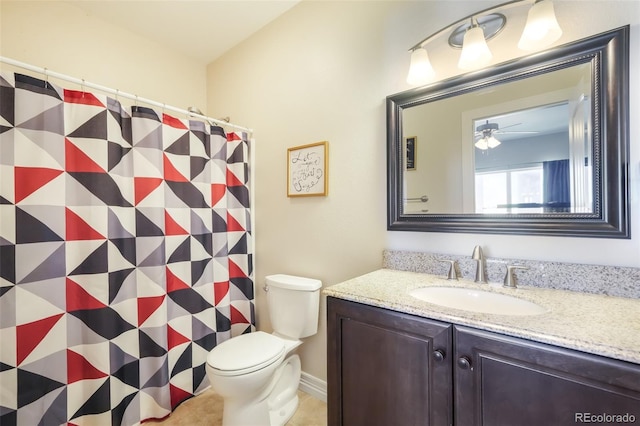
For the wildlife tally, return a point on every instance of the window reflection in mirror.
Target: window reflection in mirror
(537, 160)
(520, 147)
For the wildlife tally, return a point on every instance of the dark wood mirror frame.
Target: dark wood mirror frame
(608, 54)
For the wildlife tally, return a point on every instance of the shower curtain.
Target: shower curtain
(125, 255)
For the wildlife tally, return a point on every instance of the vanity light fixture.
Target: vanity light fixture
(541, 30)
(421, 72)
(475, 52)
(542, 27)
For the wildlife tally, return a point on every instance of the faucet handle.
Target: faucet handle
(453, 269)
(510, 276)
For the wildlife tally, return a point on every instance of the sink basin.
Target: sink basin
(477, 301)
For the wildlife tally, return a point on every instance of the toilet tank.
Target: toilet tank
(293, 304)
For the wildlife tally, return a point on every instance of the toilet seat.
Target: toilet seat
(246, 353)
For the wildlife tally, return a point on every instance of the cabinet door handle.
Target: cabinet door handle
(439, 355)
(464, 363)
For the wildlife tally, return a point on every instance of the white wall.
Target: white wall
(322, 72)
(299, 81)
(60, 37)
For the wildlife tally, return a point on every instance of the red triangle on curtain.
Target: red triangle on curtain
(177, 395)
(78, 368)
(173, 122)
(77, 161)
(147, 306)
(171, 173)
(174, 338)
(237, 317)
(217, 192)
(233, 224)
(79, 299)
(232, 180)
(235, 271)
(232, 136)
(78, 97)
(143, 186)
(28, 336)
(171, 227)
(220, 291)
(77, 229)
(174, 283)
(29, 179)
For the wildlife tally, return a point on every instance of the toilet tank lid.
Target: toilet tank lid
(293, 283)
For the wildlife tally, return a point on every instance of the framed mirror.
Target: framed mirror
(538, 145)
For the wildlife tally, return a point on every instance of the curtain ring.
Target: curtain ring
(117, 92)
(82, 87)
(46, 77)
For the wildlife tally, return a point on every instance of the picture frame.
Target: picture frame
(307, 170)
(410, 144)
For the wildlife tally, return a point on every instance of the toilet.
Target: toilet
(257, 374)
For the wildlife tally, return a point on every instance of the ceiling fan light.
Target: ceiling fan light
(475, 52)
(542, 27)
(420, 71)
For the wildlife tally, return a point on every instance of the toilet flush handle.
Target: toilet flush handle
(265, 288)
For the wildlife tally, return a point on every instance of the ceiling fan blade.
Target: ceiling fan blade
(510, 125)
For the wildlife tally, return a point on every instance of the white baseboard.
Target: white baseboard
(313, 386)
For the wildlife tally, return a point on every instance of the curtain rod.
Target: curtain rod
(117, 93)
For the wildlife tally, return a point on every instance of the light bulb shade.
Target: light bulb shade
(492, 142)
(475, 52)
(542, 27)
(482, 144)
(420, 71)
(487, 142)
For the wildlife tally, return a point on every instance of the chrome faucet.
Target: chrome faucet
(510, 279)
(478, 256)
(453, 268)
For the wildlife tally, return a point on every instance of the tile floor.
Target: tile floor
(206, 409)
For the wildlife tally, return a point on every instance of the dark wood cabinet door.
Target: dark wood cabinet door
(499, 380)
(386, 368)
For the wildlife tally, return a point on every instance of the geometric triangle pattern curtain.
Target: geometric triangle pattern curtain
(125, 255)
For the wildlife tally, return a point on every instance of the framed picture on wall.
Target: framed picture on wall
(410, 148)
(307, 170)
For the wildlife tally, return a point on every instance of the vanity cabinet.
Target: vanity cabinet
(506, 381)
(388, 368)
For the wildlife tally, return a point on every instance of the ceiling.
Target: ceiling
(531, 122)
(200, 29)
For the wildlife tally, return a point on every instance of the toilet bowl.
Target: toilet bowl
(259, 387)
(258, 374)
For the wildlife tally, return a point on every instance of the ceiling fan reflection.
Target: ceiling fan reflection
(485, 138)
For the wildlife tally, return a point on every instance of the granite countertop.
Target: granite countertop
(597, 324)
